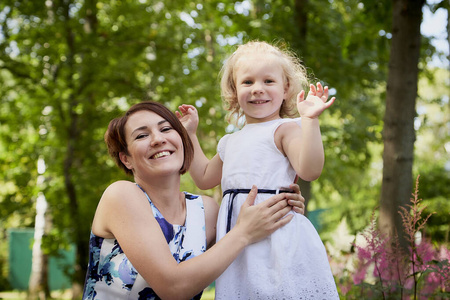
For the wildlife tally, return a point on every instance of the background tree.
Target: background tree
(68, 67)
(398, 132)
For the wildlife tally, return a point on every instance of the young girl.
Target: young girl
(262, 83)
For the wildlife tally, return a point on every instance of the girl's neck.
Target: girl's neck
(260, 120)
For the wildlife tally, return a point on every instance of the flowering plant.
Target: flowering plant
(382, 269)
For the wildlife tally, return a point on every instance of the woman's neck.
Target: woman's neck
(166, 196)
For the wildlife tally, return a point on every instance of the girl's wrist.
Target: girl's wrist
(309, 118)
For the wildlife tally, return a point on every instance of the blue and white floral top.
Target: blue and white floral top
(111, 275)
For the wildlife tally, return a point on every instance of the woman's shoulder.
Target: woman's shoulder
(120, 184)
(118, 194)
(120, 188)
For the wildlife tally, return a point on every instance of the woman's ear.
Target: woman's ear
(124, 159)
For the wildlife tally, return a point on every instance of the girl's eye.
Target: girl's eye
(269, 81)
(247, 82)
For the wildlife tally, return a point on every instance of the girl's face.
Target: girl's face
(154, 147)
(260, 87)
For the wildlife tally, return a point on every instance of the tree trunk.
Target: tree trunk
(38, 284)
(399, 134)
(448, 32)
(301, 18)
(305, 189)
(73, 136)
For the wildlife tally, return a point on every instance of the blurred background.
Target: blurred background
(67, 67)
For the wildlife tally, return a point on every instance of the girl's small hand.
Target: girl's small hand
(188, 116)
(315, 102)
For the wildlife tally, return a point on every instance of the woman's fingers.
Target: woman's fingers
(251, 197)
(297, 206)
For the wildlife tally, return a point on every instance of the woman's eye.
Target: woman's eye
(140, 136)
(167, 128)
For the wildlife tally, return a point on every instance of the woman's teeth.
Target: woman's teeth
(161, 154)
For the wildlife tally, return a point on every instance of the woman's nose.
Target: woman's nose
(157, 139)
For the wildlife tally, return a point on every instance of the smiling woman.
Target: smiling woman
(116, 138)
(152, 140)
(147, 235)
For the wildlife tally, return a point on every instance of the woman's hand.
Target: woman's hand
(258, 221)
(295, 199)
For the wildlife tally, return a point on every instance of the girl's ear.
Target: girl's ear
(124, 159)
(286, 89)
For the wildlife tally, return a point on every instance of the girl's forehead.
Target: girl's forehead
(259, 63)
(259, 56)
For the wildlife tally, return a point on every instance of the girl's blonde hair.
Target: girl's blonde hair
(294, 73)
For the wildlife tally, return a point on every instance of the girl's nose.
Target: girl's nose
(257, 89)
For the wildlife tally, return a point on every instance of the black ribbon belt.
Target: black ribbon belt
(235, 192)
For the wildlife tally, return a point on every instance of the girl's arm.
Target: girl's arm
(125, 214)
(303, 145)
(211, 214)
(205, 173)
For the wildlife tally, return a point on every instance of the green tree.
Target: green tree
(399, 134)
(68, 67)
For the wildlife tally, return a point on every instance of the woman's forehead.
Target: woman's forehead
(144, 117)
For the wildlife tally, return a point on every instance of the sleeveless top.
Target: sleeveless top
(111, 275)
(291, 263)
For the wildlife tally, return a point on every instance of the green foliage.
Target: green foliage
(68, 67)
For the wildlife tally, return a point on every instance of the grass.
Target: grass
(22, 295)
(208, 294)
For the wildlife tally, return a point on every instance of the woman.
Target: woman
(147, 236)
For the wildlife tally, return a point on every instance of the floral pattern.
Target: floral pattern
(111, 275)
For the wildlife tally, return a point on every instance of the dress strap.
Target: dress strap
(234, 192)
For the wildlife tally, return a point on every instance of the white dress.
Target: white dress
(292, 263)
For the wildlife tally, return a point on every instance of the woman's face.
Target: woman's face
(154, 147)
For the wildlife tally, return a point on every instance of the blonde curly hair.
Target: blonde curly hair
(294, 73)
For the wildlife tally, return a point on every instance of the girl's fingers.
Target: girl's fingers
(295, 188)
(319, 88)
(329, 103)
(301, 96)
(325, 92)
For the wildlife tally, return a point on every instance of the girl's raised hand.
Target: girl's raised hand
(188, 116)
(315, 103)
